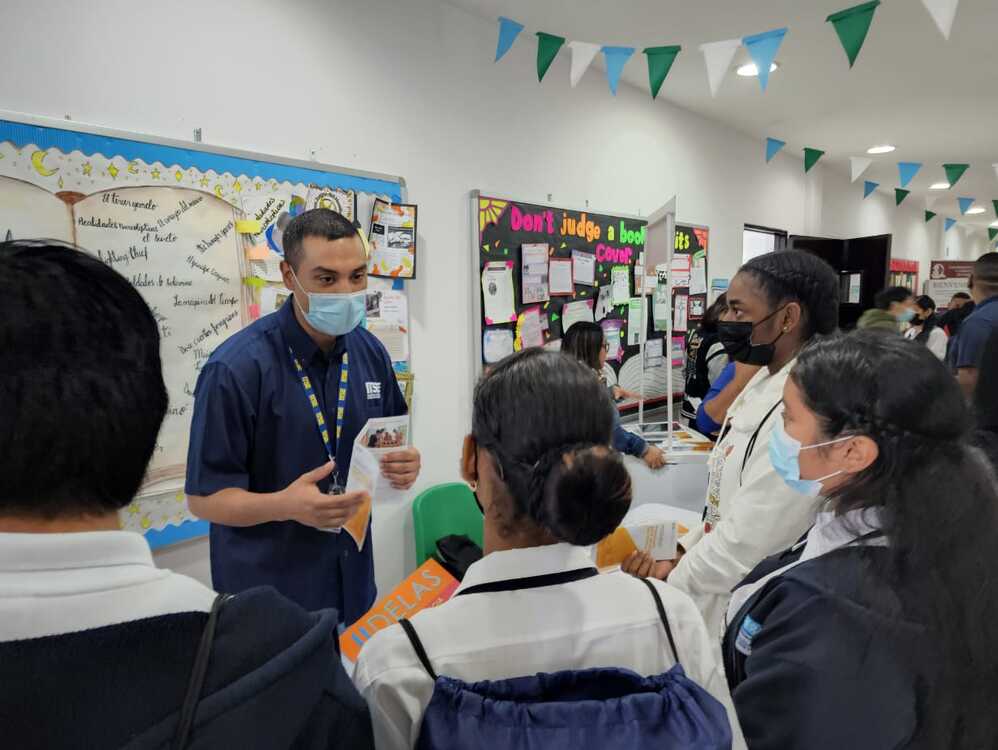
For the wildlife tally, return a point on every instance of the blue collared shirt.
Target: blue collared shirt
(968, 345)
(253, 429)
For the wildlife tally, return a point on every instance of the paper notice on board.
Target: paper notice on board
(560, 277)
(393, 240)
(634, 321)
(678, 351)
(497, 344)
(604, 303)
(611, 332)
(680, 316)
(393, 337)
(530, 331)
(534, 273)
(583, 268)
(698, 273)
(497, 292)
(620, 279)
(654, 353)
(697, 307)
(662, 307)
(576, 312)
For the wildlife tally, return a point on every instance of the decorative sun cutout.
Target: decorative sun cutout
(489, 211)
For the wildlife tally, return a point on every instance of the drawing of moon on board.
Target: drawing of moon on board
(37, 161)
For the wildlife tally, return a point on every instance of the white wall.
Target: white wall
(410, 88)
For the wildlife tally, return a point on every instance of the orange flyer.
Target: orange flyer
(428, 586)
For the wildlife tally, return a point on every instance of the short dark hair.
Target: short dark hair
(319, 222)
(548, 423)
(82, 396)
(886, 297)
(584, 341)
(713, 315)
(797, 276)
(925, 302)
(986, 272)
(961, 295)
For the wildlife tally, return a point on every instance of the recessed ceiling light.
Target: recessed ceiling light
(749, 70)
(975, 210)
(884, 149)
(939, 186)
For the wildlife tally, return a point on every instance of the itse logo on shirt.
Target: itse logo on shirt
(373, 391)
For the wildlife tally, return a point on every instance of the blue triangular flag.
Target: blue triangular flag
(869, 187)
(965, 204)
(509, 30)
(773, 147)
(907, 170)
(763, 48)
(616, 58)
(949, 224)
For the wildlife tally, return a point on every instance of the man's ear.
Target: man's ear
(469, 460)
(286, 275)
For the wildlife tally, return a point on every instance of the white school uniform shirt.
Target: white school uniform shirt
(52, 584)
(609, 620)
(936, 343)
(751, 513)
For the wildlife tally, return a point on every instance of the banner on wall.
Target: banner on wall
(947, 277)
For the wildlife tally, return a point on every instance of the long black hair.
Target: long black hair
(584, 341)
(925, 302)
(797, 276)
(938, 504)
(713, 314)
(547, 422)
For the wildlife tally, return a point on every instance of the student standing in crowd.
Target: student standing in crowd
(893, 307)
(986, 400)
(97, 644)
(539, 460)
(960, 307)
(878, 629)
(587, 343)
(924, 328)
(968, 346)
(705, 360)
(277, 409)
(776, 304)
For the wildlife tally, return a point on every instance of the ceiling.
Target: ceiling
(935, 100)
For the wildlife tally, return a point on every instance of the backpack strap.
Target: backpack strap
(417, 646)
(200, 669)
(662, 617)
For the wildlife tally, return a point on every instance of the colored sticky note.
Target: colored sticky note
(254, 312)
(248, 226)
(254, 281)
(258, 252)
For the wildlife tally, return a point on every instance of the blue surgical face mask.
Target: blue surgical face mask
(334, 314)
(907, 315)
(784, 453)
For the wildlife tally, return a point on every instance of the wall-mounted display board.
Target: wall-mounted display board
(190, 226)
(946, 278)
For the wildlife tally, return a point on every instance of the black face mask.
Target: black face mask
(736, 338)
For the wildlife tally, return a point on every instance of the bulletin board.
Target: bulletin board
(501, 227)
(190, 226)
(689, 287)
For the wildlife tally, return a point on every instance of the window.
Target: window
(758, 241)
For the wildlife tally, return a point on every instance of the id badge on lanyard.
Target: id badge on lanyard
(336, 486)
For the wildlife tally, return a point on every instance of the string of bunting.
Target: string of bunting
(851, 25)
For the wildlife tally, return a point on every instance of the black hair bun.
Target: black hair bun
(586, 496)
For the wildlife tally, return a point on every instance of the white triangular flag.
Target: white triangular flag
(718, 56)
(859, 165)
(943, 12)
(582, 57)
(996, 169)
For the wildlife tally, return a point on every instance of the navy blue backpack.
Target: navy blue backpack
(605, 708)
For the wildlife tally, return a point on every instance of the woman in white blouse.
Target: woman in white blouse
(549, 486)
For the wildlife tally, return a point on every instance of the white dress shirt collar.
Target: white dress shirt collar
(526, 562)
(20, 553)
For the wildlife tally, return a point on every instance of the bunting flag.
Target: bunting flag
(929, 216)
(949, 224)
(547, 49)
(965, 204)
(996, 169)
(943, 12)
(900, 195)
(660, 61)
(992, 233)
(851, 25)
(995, 204)
(811, 156)
(582, 57)
(509, 30)
(858, 165)
(763, 48)
(773, 147)
(869, 187)
(907, 171)
(954, 172)
(718, 57)
(616, 58)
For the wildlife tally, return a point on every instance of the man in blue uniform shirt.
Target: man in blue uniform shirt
(966, 349)
(270, 450)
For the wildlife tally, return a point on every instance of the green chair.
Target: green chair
(443, 510)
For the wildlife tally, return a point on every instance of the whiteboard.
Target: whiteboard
(164, 214)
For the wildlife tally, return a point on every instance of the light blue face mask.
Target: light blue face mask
(784, 453)
(907, 315)
(334, 314)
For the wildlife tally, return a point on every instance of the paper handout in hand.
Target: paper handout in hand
(658, 539)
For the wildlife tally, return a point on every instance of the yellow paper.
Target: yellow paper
(248, 226)
(258, 252)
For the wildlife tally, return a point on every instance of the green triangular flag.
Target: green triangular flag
(954, 172)
(900, 195)
(547, 49)
(811, 156)
(929, 216)
(995, 204)
(992, 233)
(660, 61)
(851, 25)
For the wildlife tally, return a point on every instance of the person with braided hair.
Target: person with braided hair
(877, 629)
(549, 485)
(777, 303)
